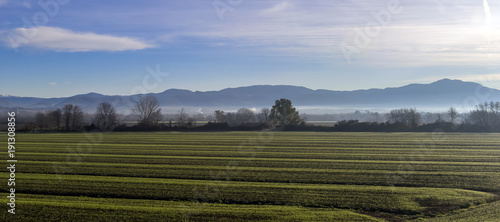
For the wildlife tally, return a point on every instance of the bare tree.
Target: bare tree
(480, 116)
(495, 114)
(147, 110)
(453, 113)
(41, 120)
(67, 113)
(182, 118)
(263, 115)
(55, 117)
(105, 117)
(157, 117)
(409, 117)
(414, 117)
(77, 118)
(486, 115)
(376, 117)
(230, 119)
(244, 116)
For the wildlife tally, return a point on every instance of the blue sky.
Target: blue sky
(58, 48)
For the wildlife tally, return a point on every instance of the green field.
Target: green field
(255, 176)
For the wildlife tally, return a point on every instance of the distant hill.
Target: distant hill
(441, 94)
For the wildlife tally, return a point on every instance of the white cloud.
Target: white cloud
(3, 2)
(27, 4)
(63, 40)
(416, 45)
(53, 83)
(276, 8)
(487, 11)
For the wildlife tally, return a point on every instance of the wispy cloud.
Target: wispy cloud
(425, 33)
(53, 83)
(487, 11)
(276, 8)
(3, 2)
(479, 77)
(27, 5)
(63, 40)
(302, 28)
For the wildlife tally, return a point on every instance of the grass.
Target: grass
(444, 179)
(340, 176)
(485, 213)
(62, 208)
(409, 200)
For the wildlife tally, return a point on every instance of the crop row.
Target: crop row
(73, 208)
(270, 157)
(484, 181)
(406, 200)
(398, 173)
(278, 139)
(484, 213)
(205, 150)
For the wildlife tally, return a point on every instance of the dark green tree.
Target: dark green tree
(283, 113)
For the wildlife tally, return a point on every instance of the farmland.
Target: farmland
(256, 176)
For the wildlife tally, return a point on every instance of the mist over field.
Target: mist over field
(436, 96)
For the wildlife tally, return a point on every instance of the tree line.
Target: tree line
(484, 118)
(69, 118)
(147, 114)
(281, 113)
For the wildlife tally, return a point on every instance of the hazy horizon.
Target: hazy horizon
(244, 86)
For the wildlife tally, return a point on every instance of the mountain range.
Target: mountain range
(441, 94)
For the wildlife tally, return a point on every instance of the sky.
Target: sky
(60, 48)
